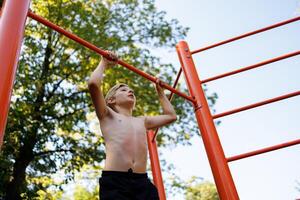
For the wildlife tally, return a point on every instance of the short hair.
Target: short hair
(112, 91)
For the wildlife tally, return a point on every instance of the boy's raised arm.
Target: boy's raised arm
(168, 116)
(94, 85)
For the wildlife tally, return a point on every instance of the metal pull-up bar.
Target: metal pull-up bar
(103, 53)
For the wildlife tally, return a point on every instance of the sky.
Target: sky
(271, 175)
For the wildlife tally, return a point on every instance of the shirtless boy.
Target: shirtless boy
(124, 175)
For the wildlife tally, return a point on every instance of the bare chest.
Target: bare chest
(123, 127)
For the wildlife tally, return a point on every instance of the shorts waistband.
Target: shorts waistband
(129, 173)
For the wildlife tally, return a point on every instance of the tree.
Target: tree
(47, 130)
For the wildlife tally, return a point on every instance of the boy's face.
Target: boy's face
(125, 95)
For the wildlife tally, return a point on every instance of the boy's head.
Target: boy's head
(120, 94)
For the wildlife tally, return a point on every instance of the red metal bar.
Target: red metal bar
(103, 53)
(175, 83)
(215, 153)
(264, 150)
(253, 66)
(155, 166)
(247, 34)
(12, 24)
(256, 104)
(170, 96)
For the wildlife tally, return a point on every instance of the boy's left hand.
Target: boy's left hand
(112, 61)
(158, 87)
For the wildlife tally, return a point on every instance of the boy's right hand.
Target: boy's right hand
(110, 62)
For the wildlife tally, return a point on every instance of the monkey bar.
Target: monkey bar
(264, 150)
(256, 105)
(247, 34)
(12, 22)
(261, 64)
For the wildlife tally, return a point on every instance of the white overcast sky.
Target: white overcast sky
(268, 176)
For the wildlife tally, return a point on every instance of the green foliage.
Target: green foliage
(193, 189)
(47, 129)
(202, 191)
(82, 193)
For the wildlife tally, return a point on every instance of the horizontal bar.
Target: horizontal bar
(253, 66)
(247, 34)
(104, 53)
(170, 97)
(264, 150)
(256, 105)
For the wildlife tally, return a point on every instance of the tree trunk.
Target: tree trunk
(17, 185)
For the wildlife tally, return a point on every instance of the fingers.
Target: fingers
(159, 85)
(110, 60)
(112, 57)
(158, 81)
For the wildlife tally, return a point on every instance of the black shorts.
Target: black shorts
(115, 185)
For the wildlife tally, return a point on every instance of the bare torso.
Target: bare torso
(125, 142)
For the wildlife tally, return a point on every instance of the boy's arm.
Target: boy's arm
(94, 85)
(168, 116)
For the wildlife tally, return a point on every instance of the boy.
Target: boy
(124, 175)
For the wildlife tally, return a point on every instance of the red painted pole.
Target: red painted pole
(155, 166)
(216, 157)
(12, 24)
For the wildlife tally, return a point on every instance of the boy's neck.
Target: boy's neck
(124, 111)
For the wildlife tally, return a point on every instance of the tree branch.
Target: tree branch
(43, 153)
(74, 94)
(71, 113)
(56, 86)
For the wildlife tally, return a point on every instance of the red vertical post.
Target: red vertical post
(12, 24)
(155, 166)
(215, 153)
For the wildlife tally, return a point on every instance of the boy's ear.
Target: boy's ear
(111, 100)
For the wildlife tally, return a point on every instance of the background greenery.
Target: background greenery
(48, 126)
